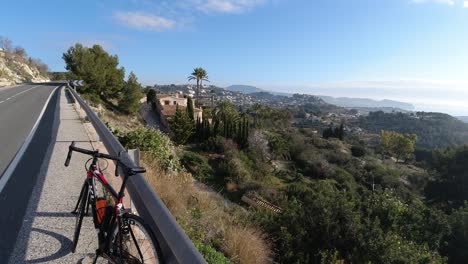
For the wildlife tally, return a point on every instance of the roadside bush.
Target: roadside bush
(153, 142)
(358, 151)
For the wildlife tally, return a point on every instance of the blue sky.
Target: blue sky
(410, 50)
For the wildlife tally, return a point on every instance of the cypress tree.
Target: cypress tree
(190, 108)
(215, 126)
(181, 126)
(341, 132)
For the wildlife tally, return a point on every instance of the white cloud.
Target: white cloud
(226, 6)
(144, 21)
(465, 4)
(448, 2)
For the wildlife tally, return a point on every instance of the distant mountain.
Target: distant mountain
(338, 101)
(463, 118)
(365, 102)
(247, 89)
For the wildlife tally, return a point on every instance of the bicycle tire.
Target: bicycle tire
(139, 252)
(79, 216)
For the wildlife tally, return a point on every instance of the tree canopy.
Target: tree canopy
(131, 95)
(181, 126)
(398, 145)
(100, 71)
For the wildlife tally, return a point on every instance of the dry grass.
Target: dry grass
(242, 245)
(122, 122)
(207, 216)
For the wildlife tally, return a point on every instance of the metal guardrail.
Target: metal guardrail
(176, 247)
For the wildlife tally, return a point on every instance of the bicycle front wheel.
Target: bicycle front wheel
(136, 242)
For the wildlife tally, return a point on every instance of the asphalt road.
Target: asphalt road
(20, 107)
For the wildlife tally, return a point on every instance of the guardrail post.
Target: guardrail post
(135, 157)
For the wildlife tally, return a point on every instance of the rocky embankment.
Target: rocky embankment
(16, 70)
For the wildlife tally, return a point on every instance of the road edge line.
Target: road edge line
(12, 166)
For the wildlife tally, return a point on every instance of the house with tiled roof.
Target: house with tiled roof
(167, 104)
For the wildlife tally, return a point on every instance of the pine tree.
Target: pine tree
(130, 100)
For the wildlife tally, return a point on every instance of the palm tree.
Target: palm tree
(200, 75)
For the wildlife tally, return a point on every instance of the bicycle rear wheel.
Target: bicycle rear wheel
(138, 245)
(83, 200)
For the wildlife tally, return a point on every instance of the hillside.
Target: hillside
(15, 69)
(463, 118)
(434, 130)
(365, 102)
(244, 89)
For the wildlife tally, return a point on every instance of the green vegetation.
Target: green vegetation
(98, 69)
(104, 79)
(434, 130)
(342, 201)
(153, 142)
(398, 145)
(181, 126)
(151, 96)
(337, 132)
(59, 76)
(190, 108)
(210, 254)
(131, 95)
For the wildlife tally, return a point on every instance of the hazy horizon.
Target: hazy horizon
(327, 47)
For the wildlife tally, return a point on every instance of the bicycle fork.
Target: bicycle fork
(75, 211)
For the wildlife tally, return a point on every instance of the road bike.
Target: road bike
(123, 237)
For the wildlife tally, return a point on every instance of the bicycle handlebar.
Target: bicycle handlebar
(96, 154)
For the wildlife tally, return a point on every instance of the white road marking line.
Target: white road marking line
(11, 168)
(13, 96)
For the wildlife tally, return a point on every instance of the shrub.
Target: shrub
(234, 169)
(153, 142)
(219, 145)
(358, 151)
(197, 165)
(337, 157)
(93, 98)
(210, 254)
